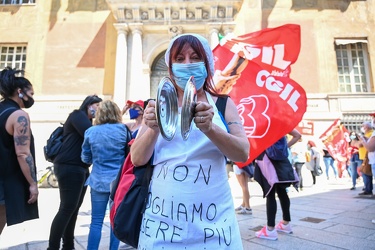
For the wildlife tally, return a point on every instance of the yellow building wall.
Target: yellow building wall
(23, 25)
(110, 56)
(75, 51)
(71, 45)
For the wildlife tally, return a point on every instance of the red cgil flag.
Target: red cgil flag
(336, 139)
(254, 70)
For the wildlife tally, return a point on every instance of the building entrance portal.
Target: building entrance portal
(158, 70)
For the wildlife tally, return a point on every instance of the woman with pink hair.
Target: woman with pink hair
(313, 160)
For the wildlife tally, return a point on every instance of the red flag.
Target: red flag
(273, 49)
(336, 139)
(305, 127)
(254, 70)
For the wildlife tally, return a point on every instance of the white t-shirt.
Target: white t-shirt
(371, 155)
(299, 152)
(190, 203)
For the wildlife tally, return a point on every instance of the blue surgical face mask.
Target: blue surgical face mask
(352, 137)
(183, 71)
(133, 113)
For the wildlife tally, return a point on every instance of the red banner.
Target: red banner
(254, 70)
(336, 139)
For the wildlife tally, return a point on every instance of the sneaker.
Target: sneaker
(245, 210)
(284, 228)
(353, 188)
(240, 208)
(264, 233)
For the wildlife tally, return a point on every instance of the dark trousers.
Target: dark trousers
(367, 181)
(271, 204)
(71, 181)
(313, 177)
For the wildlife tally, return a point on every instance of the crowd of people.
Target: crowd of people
(349, 165)
(95, 146)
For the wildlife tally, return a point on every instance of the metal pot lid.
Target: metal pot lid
(188, 107)
(167, 108)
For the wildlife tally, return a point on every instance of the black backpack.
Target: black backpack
(54, 143)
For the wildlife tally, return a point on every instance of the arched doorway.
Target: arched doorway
(158, 70)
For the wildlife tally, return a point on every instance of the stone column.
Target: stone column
(228, 28)
(137, 83)
(214, 33)
(119, 95)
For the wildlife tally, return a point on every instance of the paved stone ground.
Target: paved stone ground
(324, 216)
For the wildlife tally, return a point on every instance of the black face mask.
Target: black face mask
(29, 102)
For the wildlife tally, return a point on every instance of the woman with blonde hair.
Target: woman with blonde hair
(104, 147)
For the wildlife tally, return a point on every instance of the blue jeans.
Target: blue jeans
(99, 202)
(298, 166)
(354, 164)
(328, 161)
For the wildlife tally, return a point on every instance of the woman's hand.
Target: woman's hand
(125, 108)
(149, 116)
(203, 116)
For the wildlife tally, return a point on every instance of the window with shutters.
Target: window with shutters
(13, 56)
(352, 66)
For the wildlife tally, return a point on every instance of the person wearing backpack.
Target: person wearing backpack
(18, 184)
(71, 173)
(313, 160)
(105, 147)
(190, 205)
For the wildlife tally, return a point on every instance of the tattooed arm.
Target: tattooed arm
(18, 125)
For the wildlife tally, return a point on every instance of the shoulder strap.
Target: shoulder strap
(6, 110)
(221, 104)
(129, 137)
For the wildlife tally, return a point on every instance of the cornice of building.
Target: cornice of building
(174, 13)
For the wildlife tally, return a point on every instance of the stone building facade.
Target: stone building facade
(115, 48)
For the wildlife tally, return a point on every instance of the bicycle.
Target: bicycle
(49, 176)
